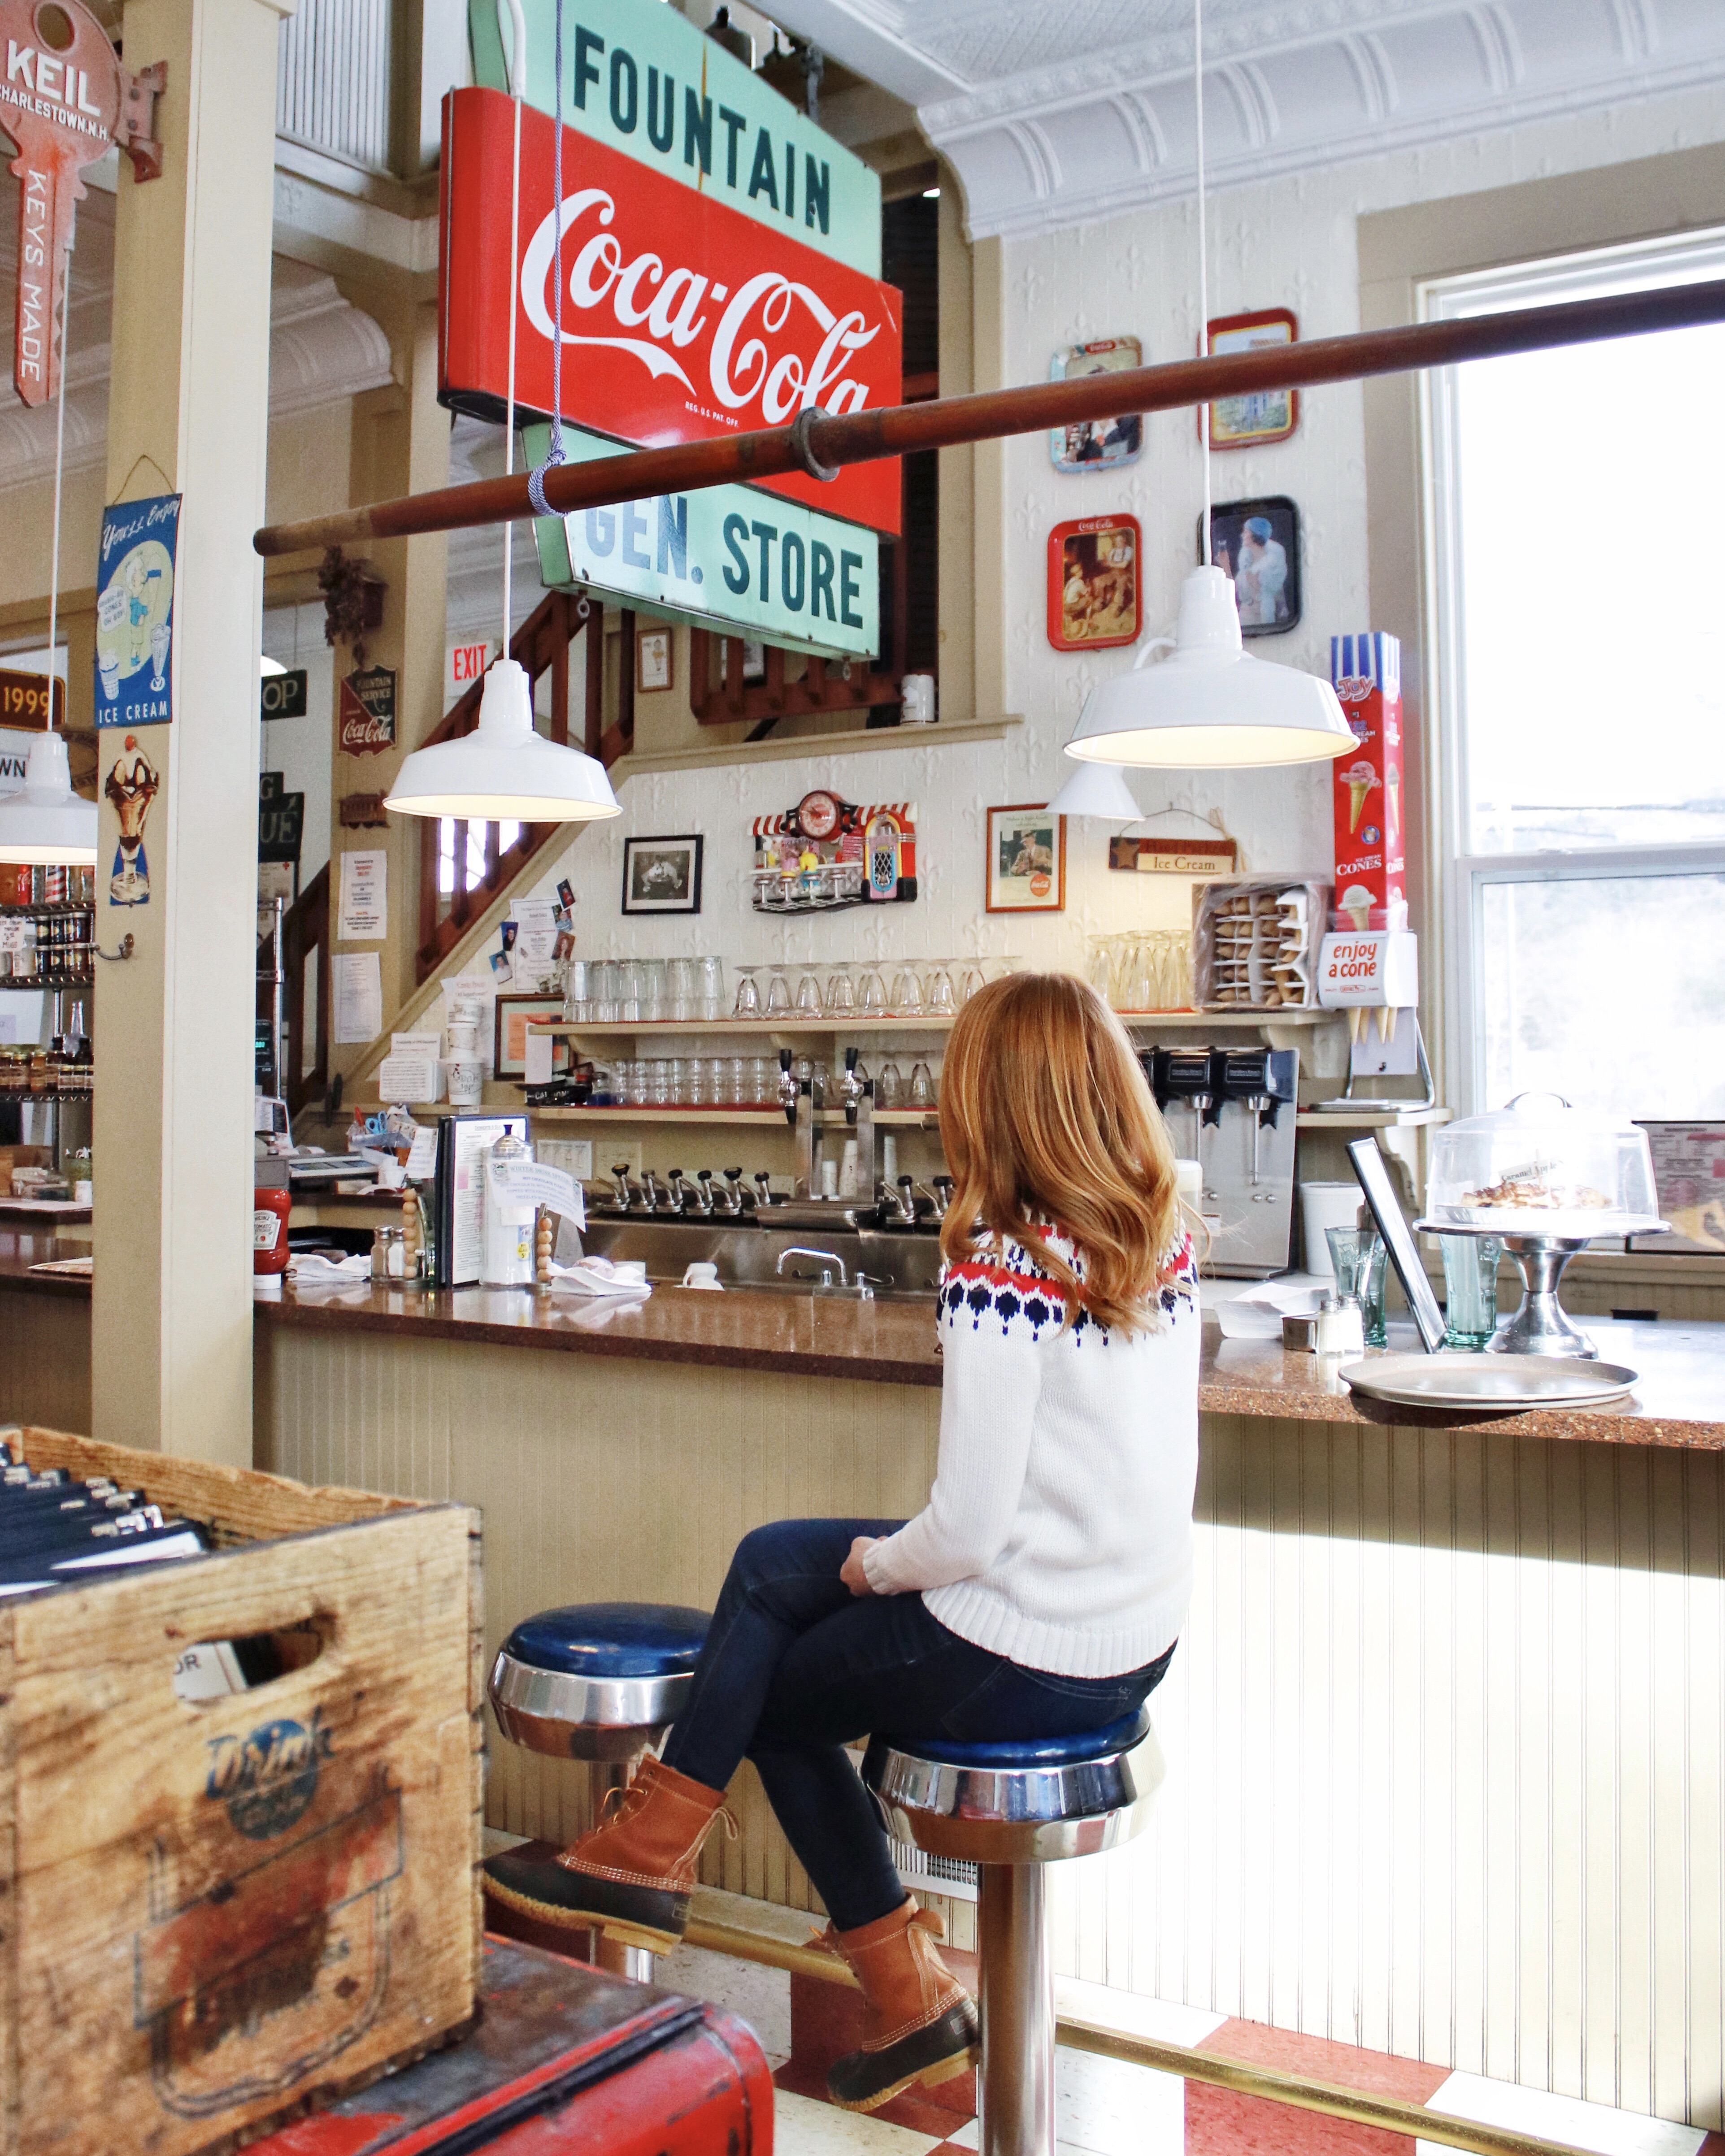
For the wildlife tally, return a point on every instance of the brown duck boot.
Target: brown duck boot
(923, 2024)
(629, 1877)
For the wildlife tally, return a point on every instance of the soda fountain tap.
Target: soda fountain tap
(908, 1200)
(650, 1191)
(735, 1196)
(943, 1195)
(704, 1190)
(625, 1195)
(789, 1092)
(764, 1185)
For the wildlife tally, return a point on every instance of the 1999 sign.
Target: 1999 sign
(23, 700)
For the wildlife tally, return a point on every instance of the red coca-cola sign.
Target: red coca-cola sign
(682, 320)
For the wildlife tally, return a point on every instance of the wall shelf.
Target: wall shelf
(714, 1118)
(797, 1026)
(1411, 1117)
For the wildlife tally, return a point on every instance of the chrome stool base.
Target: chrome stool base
(1010, 1810)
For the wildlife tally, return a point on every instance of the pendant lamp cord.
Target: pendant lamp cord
(555, 453)
(1204, 288)
(517, 82)
(59, 462)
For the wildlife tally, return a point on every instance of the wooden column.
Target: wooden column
(187, 413)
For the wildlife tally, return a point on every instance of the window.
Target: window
(1578, 505)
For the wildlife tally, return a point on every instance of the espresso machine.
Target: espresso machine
(1232, 1110)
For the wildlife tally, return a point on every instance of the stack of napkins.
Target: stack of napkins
(1258, 1316)
(312, 1269)
(597, 1275)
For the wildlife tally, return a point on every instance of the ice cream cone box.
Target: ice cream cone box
(1366, 781)
(230, 1902)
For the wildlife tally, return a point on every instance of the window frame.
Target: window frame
(1459, 877)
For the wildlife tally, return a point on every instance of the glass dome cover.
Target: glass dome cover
(1540, 1167)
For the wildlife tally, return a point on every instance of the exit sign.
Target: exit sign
(465, 664)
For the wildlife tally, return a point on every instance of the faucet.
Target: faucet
(732, 1194)
(619, 1170)
(650, 1191)
(704, 1191)
(763, 1184)
(827, 1258)
(908, 1200)
(682, 1197)
(943, 1195)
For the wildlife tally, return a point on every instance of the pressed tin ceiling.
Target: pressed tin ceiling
(1052, 112)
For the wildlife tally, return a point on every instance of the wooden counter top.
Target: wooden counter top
(1679, 1401)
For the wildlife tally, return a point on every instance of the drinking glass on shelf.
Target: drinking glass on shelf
(942, 998)
(921, 1085)
(888, 1085)
(699, 1079)
(763, 1080)
(1138, 988)
(778, 991)
(749, 993)
(659, 1082)
(907, 999)
(736, 1079)
(679, 1080)
(628, 992)
(578, 991)
(871, 994)
(808, 996)
(605, 992)
(683, 988)
(972, 975)
(654, 989)
(711, 974)
(841, 992)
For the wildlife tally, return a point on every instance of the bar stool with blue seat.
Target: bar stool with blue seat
(598, 1682)
(1010, 1808)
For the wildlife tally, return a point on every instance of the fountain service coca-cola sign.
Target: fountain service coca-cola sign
(682, 319)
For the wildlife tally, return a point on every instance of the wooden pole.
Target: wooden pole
(835, 439)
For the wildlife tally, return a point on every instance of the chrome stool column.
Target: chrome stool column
(598, 1682)
(1011, 1808)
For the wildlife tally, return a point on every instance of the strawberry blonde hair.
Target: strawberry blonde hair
(1046, 1117)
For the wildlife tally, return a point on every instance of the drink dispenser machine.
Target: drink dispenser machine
(1232, 1110)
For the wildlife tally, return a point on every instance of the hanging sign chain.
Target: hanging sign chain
(555, 455)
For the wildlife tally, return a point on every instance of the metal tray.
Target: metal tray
(1512, 1383)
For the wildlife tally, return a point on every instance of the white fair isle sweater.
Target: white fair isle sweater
(1059, 1531)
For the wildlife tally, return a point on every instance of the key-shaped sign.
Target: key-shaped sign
(60, 103)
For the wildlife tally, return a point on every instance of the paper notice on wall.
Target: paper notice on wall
(359, 995)
(363, 913)
(421, 1163)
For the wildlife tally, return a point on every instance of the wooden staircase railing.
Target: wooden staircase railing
(305, 929)
(540, 645)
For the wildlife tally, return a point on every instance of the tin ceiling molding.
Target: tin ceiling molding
(322, 349)
(1061, 112)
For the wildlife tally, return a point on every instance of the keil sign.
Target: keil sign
(684, 320)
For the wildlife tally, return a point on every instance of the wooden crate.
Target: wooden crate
(214, 1914)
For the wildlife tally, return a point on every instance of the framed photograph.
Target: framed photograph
(654, 647)
(662, 876)
(1093, 582)
(1092, 443)
(1257, 543)
(1267, 415)
(1027, 860)
(509, 1051)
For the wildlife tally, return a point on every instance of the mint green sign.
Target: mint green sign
(637, 76)
(723, 558)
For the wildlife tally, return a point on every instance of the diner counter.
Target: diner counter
(1679, 1399)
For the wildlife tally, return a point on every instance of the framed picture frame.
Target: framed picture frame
(1263, 415)
(1257, 543)
(655, 660)
(1096, 445)
(662, 876)
(1094, 590)
(1026, 868)
(509, 1042)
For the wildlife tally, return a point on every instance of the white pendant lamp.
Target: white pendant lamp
(1208, 706)
(45, 821)
(504, 772)
(1098, 790)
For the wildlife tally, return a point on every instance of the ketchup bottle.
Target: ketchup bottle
(269, 1230)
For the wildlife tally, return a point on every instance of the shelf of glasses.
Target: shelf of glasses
(794, 1022)
(1412, 1118)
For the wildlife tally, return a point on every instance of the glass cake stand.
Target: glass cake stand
(1542, 1326)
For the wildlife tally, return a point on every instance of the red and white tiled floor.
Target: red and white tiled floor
(1107, 2107)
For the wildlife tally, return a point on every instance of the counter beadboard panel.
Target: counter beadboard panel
(44, 1360)
(600, 1479)
(1444, 1735)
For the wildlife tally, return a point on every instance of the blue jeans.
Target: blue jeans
(795, 1667)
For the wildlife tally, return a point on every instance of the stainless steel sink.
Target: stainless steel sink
(748, 1257)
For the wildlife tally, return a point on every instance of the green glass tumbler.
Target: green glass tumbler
(1358, 1255)
(1469, 1290)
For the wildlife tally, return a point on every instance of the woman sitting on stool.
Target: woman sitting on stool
(1039, 1592)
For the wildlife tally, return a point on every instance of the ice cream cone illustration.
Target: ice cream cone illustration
(1356, 902)
(1359, 778)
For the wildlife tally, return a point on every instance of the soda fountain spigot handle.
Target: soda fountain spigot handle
(763, 1184)
(704, 1195)
(850, 1058)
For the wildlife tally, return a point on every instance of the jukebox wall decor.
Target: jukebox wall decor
(826, 854)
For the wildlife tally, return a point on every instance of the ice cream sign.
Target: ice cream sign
(135, 613)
